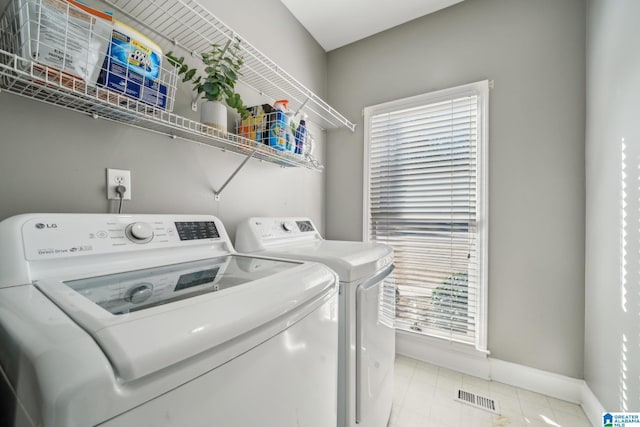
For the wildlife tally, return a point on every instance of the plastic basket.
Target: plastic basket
(275, 130)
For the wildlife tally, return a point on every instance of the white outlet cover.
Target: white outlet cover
(117, 177)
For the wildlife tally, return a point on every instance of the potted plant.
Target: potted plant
(221, 72)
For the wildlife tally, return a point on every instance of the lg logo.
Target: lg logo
(40, 226)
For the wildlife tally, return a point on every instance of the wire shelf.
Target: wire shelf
(26, 78)
(188, 24)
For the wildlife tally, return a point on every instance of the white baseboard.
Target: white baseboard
(469, 361)
(539, 381)
(591, 406)
(451, 355)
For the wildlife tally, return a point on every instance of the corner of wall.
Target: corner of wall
(591, 405)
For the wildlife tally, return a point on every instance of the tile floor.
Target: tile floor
(424, 397)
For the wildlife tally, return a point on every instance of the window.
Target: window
(425, 195)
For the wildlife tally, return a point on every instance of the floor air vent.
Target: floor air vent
(477, 401)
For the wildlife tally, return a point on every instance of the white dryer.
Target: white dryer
(367, 309)
(154, 320)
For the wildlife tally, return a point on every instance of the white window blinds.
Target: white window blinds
(424, 185)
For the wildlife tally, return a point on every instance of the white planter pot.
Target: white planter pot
(214, 114)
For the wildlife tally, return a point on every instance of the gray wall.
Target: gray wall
(53, 160)
(612, 326)
(534, 50)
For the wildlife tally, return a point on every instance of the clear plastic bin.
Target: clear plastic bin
(271, 129)
(68, 42)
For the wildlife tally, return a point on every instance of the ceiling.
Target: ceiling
(335, 23)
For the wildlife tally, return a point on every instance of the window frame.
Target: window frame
(481, 89)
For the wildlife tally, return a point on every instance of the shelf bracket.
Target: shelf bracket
(194, 102)
(217, 193)
(302, 106)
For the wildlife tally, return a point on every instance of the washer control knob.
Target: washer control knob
(139, 293)
(139, 232)
(288, 226)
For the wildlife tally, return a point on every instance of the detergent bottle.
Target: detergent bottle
(291, 131)
(278, 126)
(301, 135)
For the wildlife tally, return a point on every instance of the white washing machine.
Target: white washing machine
(154, 320)
(367, 309)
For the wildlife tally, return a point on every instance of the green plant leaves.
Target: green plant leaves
(189, 75)
(221, 72)
(173, 60)
(211, 91)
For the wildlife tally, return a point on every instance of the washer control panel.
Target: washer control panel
(60, 235)
(139, 232)
(197, 230)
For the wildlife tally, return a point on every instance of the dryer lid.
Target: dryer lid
(149, 319)
(351, 260)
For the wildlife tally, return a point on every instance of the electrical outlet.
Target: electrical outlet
(117, 177)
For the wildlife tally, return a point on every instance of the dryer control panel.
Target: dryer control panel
(277, 227)
(268, 231)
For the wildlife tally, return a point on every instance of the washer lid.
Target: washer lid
(351, 260)
(149, 319)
